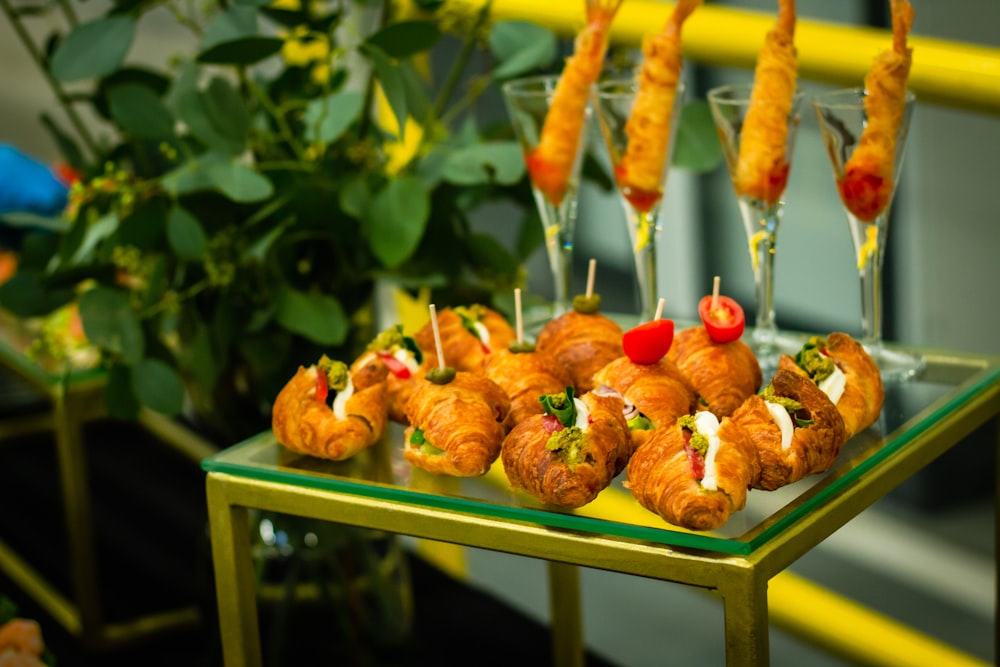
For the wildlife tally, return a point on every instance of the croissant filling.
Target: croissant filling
(780, 416)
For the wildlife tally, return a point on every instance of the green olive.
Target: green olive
(588, 305)
(441, 375)
(523, 346)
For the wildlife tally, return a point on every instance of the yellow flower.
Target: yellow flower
(303, 47)
(287, 5)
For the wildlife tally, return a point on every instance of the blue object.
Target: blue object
(28, 186)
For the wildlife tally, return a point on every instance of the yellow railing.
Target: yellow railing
(955, 74)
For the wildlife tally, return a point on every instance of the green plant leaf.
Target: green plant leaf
(158, 386)
(68, 147)
(95, 233)
(144, 225)
(696, 146)
(417, 98)
(328, 118)
(140, 112)
(354, 197)
(405, 38)
(203, 359)
(242, 51)
(109, 322)
(500, 161)
(119, 395)
(189, 104)
(392, 83)
(226, 110)
(236, 22)
(25, 294)
(520, 47)
(397, 218)
(240, 182)
(93, 49)
(186, 235)
(318, 317)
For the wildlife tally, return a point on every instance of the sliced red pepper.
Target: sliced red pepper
(725, 322)
(648, 342)
(322, 388)
(551, 424)
(395, 366)
(697, 462)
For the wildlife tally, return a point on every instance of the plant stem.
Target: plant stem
(283, 129)
(458, 66)
(57, 88)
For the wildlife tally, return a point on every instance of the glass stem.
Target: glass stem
(643, 232)
(762, 235)
(869, 243)
(560, 252)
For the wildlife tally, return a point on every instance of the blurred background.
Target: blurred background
(941, 285)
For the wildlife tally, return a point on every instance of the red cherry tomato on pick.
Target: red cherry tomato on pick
(725, 322)
(648, 342)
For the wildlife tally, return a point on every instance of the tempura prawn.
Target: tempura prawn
(867, 184)
(640, 171)
(762, 168)
(551, 161)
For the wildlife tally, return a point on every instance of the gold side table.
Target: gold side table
(956, 394)
(74, 399)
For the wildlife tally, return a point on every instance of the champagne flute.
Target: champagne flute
(613, 100)
(529, 101)
(761, 211)
(842, 120)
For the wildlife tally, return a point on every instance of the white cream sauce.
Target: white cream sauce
(833, 385)
(784, 421)
(708, 425)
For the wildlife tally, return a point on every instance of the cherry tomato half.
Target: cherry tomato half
(395, 366)
(724, 323)
(648, 342)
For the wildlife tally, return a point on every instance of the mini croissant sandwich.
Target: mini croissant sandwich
(844, 370)
(796, 429)
(659, 393)
(567, 456)
(582, 340)
(399, 358)
(524, 374)
(723, 374)
(468, 335)
(304, 420)
(456, 423)
(694, 473)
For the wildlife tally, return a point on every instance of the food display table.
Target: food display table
(921, 419)
(71, 398)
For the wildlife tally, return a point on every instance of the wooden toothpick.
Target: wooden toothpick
(517, 315)
(715, 293)
(659, 309)
(591, 270)
(437, 337)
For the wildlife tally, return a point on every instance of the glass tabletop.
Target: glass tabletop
(911, 409)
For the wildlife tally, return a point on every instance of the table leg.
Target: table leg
(996, 540)
(567, 622)
(744, 599)
(234, 582)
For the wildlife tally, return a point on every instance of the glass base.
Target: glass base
(896, 365)
(768, 346)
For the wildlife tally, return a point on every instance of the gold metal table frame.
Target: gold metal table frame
(956, 394)
(74, 399)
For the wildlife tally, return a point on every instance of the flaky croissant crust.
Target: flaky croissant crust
(864, 393)
(464, 418)
(583, 343)
(723, 374)
(661, 479)
(398, 390)
(462, 349)
(525, 376)
(541, 473)
(813, 449)
(305, 425)
(660, 391)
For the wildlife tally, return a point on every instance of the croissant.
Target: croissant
(860, 389)
(583, 343)
(468, 335)
(571, 466)
(400, 359)
(456, 428)
(303, 421)
(658, 391)
(811, 439)
(670, 477)
(723, 374)
(525, 376)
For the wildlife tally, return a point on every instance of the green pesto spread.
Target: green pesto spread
(588, 305)
(791, 406)
(568, 445)
(392, 339)
(640, 423)
(336, 373)
(812, 360)
(417, 438)
(699, 441)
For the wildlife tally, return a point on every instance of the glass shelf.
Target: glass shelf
(911, 409)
